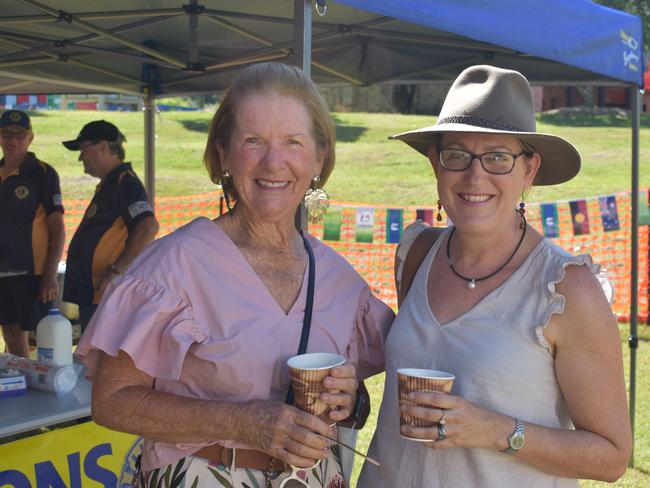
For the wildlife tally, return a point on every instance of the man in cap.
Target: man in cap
(32, 232)
(117, 225)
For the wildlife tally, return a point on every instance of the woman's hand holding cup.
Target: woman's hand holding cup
(418, 421)
(341, 394)
(324, 390)
(284, 432)
(323, 384)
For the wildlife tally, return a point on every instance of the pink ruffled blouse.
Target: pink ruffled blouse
(193, 314)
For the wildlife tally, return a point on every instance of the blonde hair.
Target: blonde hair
(265, 78)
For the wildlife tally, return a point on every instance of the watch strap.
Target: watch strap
(516, 439)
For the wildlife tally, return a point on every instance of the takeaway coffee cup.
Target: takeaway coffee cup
(307, 374)
(411, 380)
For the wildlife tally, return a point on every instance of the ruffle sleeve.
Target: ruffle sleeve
(366, 347)
(148, 322)
(555, 301)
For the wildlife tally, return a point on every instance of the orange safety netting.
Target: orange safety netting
(374, 261)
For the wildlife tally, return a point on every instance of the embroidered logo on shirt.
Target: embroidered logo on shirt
(92, 210)
(21, 192)
(56, 199)
(138, 208)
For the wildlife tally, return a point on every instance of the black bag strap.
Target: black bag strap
(414, 258)
(309, 308)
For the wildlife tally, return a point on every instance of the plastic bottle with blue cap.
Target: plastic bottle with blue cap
(54, 339)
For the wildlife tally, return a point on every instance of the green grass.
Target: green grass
(180, 141)
(374, 170)
(370, 168)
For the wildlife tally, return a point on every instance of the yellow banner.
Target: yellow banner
(84, 455)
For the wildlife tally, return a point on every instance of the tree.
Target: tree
(634, 7)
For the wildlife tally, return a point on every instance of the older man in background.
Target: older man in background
(117, 225)
(32, 232)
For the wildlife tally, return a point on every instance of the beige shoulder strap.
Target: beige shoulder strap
(414, 257)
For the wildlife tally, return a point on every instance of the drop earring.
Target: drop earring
(439, 215)
(225, 187)
(522, 211)
(316, 201)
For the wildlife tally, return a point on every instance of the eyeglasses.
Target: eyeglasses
(19, 136)
(496, 162)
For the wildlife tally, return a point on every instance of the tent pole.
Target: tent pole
(302, 35)
(149, 146)
(194, 34)
(633, 340)
(302, 59)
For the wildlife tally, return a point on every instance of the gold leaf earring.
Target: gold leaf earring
(439, 215)
(316, 201)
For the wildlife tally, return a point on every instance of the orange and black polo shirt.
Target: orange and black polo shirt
(27, 197)
(120, 202)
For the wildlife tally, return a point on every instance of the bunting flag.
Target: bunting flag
(609, 213)
(579, 217)
(644, 208)
(425, 215)
(365, 222)
(549, 220)
(332, 224)
(394, 223)
(398, 218)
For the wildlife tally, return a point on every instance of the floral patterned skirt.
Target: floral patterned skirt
(196, 472)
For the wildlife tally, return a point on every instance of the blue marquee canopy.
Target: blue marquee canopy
(575, 33)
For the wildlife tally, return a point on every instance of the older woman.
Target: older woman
(539, 397)
(189, 348)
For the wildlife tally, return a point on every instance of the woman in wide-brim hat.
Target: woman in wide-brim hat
(539, 395)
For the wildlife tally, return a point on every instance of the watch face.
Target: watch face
(517, 441)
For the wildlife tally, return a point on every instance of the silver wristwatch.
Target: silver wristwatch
(516, 440)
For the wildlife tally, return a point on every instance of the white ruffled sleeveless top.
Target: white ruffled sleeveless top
(501, 360)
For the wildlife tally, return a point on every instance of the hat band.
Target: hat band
(478, 122)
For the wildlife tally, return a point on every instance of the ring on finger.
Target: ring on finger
(442, 433)
(442, 420)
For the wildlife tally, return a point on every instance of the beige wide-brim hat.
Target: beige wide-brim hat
(490, 100)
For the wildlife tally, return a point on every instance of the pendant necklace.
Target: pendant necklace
(471, 282)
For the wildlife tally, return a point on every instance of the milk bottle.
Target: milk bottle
(54, 339)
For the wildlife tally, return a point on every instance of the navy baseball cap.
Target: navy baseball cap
(99, 130)
(15, 118)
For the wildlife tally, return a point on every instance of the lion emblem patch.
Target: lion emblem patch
(21, 192)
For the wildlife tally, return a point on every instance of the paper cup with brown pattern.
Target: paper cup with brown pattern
(410, 380)
(307, 374)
